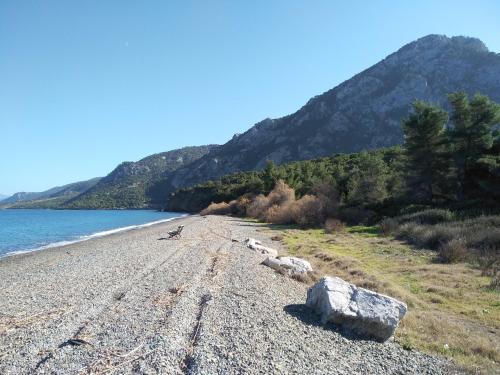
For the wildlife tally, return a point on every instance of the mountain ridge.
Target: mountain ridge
(134, 184)
(361, 113)
(49, 198)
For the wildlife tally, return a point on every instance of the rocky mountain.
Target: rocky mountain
(137, 184)
(48, 198)
(362, 113)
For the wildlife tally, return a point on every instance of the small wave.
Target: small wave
(90, 236)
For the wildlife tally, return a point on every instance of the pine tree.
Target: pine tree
(270, 176)
(367, 184)
(426, 151)
(472, 138)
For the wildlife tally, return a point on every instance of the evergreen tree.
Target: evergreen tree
(270, 176)
(472, 137)
(368, 181)
(426, 151)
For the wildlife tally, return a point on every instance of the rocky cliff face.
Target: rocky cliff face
(363, 113)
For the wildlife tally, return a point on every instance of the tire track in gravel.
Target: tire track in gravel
(209, 261)
(212, 286)
(137, 283)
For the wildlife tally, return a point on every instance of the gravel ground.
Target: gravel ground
(134, 303)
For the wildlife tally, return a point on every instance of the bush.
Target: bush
(279, 214)
(495, 281)
(258, 207)
(427, 236)
(388, 226)
(333, 226)
(281, 195)
(329, 197)
(357, 215)
(280, 207)
(430, 216)
(240, 206)
(273, 208)
(453, 251)
(222, 208)
(307, 211)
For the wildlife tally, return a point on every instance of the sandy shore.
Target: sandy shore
(133, 302)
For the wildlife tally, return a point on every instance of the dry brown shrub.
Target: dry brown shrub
(307, 211)
(279, 214)
(258, 207)
(281, 195)
(453, 251)
(240, 206)
(324, 257)
(221, 208)
(306, 278)
(275, 207)
(333, 226)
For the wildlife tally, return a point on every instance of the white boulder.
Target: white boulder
(291, 265)
(257, 246)
(365, 312)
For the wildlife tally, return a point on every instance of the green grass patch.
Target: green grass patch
(370, 230)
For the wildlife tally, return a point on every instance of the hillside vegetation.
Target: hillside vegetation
(137, 184)
(52, 198)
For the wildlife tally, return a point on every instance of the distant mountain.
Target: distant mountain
(49, 198)
(362, 113)
(3, 196)
(137, 184)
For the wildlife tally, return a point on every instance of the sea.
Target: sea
(31, 230)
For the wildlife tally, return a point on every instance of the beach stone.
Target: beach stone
(363, 311)
(290, 264)
(257, 246)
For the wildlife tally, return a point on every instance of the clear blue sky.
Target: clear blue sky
(85, 85)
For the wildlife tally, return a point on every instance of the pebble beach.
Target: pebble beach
(137, 303)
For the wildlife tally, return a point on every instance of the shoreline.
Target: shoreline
(84, 238)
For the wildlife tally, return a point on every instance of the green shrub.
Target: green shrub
(388, 226)
(429, 216)
(357, 215)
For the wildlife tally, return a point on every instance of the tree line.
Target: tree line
(446, 159)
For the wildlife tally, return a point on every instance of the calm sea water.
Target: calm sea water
(25, 230)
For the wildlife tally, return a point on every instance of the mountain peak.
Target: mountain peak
(433, 41)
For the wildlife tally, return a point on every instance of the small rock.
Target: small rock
(289, 264)
(257, 246)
